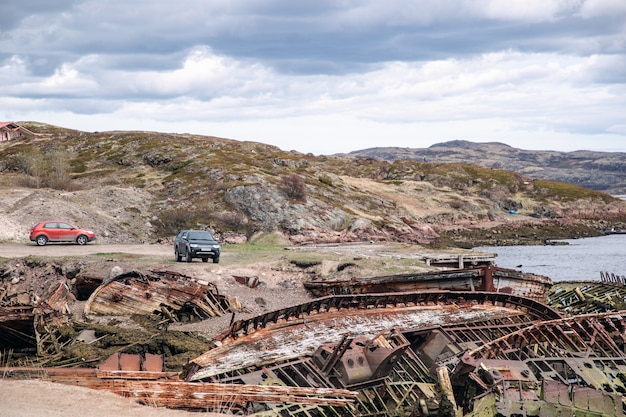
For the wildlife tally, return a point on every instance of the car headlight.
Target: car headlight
(216, 246)
(193, 245)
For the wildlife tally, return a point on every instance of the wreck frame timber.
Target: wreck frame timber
(587, 297)
(168, 293)
(17, 327)
(25, 327)
(333, 303)
(580, 362)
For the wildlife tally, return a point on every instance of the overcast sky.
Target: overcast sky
(323, 76)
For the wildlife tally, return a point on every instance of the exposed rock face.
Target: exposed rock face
(602, 171)
(312, 221)
(260, 203)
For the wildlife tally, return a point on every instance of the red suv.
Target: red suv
(59, 231)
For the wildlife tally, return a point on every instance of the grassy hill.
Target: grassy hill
(240, 188)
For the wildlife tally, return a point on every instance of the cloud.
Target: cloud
(553, 68)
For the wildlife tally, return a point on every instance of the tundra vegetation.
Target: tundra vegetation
(237, 188)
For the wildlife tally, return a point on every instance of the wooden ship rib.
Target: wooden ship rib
(169, 293)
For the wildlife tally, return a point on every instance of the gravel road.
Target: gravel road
(18, 250)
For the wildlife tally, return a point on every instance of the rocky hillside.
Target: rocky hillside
(143, 186)
(601, 171)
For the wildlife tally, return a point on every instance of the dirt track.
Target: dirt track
(18, 250)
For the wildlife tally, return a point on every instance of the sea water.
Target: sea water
(577, 259)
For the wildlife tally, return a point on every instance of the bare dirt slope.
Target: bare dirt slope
(119, 215)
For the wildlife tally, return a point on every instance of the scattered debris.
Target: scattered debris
(251, 281)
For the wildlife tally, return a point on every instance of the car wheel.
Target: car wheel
(205, 259)
(41, 240)
(178, 257)
(82, 240)
(216, 260)
(189, 258)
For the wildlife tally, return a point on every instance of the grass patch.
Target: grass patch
(268, 240)
(551, 190)
(306, 259)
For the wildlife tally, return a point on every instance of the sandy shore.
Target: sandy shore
(34, 398)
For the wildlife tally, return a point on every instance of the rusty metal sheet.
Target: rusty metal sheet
(130, 362)
(133, 362)
(153, 363)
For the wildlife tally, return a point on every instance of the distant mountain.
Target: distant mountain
(600, 171)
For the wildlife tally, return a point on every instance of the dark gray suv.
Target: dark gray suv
(196, 244)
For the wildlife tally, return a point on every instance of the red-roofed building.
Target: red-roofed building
(11, 131)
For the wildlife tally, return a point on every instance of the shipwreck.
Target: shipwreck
(428, 354)
(33, 308)
(176, 296)
(487, 278)
(480, 341)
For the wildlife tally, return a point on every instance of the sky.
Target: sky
(323, 76)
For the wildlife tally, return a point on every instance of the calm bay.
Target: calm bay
(579, 259)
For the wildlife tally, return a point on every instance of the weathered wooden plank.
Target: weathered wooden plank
(137, 293)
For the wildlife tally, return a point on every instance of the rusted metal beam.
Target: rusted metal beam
(163, 389)
(190, 395)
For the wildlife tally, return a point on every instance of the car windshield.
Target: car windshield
(200, 236)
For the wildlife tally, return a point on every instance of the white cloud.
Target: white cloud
(594, 8)
(531, 10)
(351, 71)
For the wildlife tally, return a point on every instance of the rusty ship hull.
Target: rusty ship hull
(486, 278)
(518, 354)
